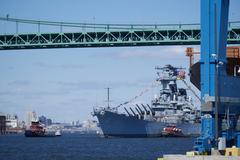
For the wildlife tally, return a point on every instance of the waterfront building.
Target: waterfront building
(2, 123)
(44, 120)
(49, 122)
(12, 121)
(89, 124)
(21, 124)
(31, 116)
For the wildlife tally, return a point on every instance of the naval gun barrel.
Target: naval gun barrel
(148, 112)
(139, 112)
(142, 112)
(127, 111)
(153, 112)
(133, 112)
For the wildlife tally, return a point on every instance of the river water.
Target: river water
(89, 147)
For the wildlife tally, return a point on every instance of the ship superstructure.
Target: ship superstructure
(170, 108)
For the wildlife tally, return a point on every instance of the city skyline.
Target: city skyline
(65, 84)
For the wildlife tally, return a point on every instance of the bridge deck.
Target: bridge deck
(109, 36)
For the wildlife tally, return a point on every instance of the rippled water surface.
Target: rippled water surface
(89, 147)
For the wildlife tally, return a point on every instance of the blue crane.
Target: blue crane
(220, 98)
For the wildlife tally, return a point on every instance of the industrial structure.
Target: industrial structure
(219, 92)
(232, 64)
(232, 52)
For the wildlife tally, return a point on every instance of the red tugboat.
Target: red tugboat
(172, 131)
(36, 130)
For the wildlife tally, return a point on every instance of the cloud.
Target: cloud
(58, 66)
(78, 85)
(11, 68)
(91, 85)
(19, 83)
(32, 94)
(164, 52)
(7, 93)
(78, 100)
(49, 93)
(4, 101)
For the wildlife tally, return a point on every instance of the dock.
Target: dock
(232, 153)
(198, 157)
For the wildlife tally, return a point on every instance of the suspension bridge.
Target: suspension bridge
(105, 35)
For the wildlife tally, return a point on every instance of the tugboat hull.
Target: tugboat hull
(36, 130)
(29, 133)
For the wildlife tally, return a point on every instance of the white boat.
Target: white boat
(58, 133)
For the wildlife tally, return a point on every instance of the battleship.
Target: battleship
(171, 113)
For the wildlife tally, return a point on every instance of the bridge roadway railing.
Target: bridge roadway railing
(107, 35)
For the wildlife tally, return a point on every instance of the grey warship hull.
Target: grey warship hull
(120, 125)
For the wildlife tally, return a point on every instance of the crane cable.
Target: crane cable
(189, 87)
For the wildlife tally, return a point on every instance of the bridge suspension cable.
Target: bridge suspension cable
(95, 25)
(101, 25)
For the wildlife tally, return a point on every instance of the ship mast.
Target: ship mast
(108, 99)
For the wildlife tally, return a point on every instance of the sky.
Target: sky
(65, 84)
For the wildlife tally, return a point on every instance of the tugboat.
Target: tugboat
(172, 131)
(35, 130)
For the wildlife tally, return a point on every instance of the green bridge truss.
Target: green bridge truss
(106, 35)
